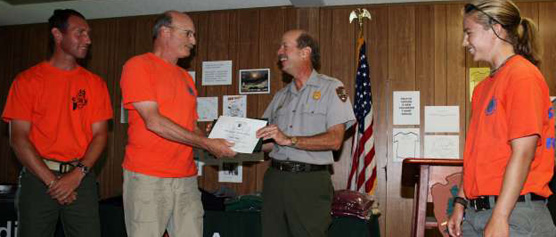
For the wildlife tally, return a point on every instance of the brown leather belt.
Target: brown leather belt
(482, 202)
(294, 166)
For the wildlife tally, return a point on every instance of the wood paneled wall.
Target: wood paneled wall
(410, 47)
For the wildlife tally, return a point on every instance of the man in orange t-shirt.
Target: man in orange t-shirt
(160, 177)
(57, 113)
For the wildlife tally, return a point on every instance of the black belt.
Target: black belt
(482, 202)
(293, 166)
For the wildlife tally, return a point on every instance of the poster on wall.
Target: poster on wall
(254, 81)
(406, 108)
(217, 73)
(476, 75)
(234, 105)
(192, 74)
(123, 113)
(442, 119)
(207, 108)
(406, 143)
(442, 146)
(199, 164)
(230, 172)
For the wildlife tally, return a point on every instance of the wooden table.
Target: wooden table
(417, 172)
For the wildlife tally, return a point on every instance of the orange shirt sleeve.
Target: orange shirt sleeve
(135, 83)
(525, 106)
(21, 97)
(103, 106)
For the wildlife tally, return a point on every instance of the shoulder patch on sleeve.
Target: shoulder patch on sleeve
(341, 92)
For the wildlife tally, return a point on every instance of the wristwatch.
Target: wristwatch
(84, 169)
(294, 141)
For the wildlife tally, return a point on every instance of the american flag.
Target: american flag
(362, 176)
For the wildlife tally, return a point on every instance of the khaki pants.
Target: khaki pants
(153, 205)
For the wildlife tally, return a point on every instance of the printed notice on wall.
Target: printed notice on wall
(441, 118)
(442, 146)
(406, 108)
(406, 143)
(207, 108)
(192, 74)
(230, 172)
(123, 114)
(217, 73)
(234, 105)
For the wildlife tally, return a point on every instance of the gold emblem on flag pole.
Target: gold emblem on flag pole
(360, 14)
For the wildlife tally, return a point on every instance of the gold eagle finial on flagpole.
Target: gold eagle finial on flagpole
(360, 14)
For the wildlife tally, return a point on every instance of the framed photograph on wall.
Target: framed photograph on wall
(254, 81)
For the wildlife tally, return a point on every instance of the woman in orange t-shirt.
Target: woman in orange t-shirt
(509, 149)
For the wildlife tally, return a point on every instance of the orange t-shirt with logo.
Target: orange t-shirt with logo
(61, 106)
(514, 103)
(149, 78)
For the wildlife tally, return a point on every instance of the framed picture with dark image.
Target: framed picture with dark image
(254, 81)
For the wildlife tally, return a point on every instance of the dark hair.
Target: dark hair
(522, 32)
(306, 40)
(59, 20)
(165, 19)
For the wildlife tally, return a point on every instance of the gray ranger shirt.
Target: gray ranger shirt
(320, 104)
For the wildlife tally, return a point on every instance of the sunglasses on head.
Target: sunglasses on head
(470, 7)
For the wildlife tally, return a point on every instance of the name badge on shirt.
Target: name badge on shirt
(316, 95)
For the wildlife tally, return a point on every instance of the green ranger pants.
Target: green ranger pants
(38, 213)
(296, 203)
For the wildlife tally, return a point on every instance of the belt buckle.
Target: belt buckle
(482, 203)
(66, 167)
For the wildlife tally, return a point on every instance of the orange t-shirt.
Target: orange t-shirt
(149, 78)
(514, 103)
(61, 106)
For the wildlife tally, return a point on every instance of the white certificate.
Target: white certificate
(241, 131)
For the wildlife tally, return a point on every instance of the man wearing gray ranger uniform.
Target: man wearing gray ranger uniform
(307, 120)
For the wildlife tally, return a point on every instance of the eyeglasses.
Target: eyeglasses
(188, 33)
(470, 7)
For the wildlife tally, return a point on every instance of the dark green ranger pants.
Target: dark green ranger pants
(296, 204)
(38, 213)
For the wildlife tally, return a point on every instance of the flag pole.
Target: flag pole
(363, 151)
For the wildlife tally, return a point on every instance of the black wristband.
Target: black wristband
(461, 201)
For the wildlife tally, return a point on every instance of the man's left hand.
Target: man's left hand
(497, 227)
(273, 132)
(66, 185)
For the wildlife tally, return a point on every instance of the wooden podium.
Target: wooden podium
(419, 172)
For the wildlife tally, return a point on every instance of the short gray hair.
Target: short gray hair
(165, 19)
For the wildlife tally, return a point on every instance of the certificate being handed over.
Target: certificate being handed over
(241, 131)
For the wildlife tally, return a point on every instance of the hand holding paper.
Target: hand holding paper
(273, 132)
(240, 131)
